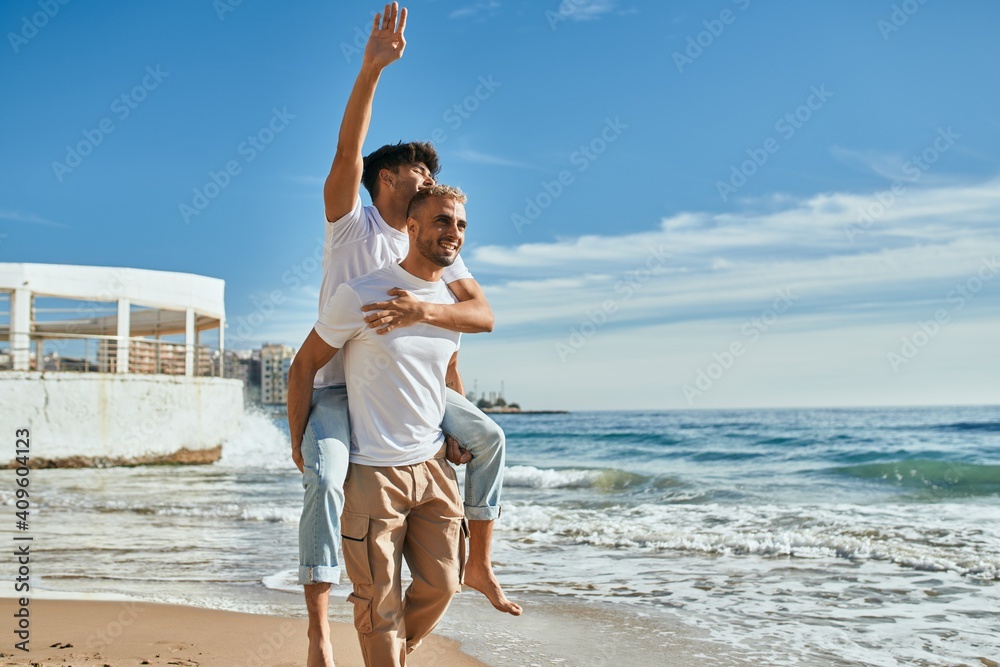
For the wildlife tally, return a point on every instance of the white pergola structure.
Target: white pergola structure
(180, 303)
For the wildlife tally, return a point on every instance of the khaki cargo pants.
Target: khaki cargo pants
(413, 512)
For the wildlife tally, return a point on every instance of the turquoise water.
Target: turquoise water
(789, 537)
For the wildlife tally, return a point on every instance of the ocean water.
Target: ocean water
(767, 537)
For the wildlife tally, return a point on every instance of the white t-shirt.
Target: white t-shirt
(357, 244)
(396, 381)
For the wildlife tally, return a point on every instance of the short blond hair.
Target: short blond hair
(437, 190)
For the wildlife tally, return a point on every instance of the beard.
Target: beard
(432, 251)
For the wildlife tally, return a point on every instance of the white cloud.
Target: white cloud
(698, 265)
(653, 307)
(824, 224)
(479, 157)
(587, 10)
(887, 165)
(917, 165)
(312, 180)
(30, 218)
(477, 10)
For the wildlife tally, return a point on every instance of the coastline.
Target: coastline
(576, 632)
(133, 632)
(278, 411)
(115, 630)
(504, 411)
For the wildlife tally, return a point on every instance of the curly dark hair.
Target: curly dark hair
(393, 156)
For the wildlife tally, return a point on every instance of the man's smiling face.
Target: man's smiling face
(440, 230)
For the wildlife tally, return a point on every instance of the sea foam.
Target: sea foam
(258, 443)
(841, 533)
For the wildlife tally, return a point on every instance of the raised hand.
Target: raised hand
(386, 43)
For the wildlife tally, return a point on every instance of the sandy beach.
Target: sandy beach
(82, 632)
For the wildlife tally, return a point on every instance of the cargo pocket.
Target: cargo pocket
(362, 613)
(463, 537)
(354, 531)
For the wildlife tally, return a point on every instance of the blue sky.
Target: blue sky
(672, 205)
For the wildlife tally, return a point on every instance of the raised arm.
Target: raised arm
(472, 313)
(313, 355)
(385, 46)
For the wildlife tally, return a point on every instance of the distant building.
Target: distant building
(243, 365)
(237, 364)
(275, 360)
(493, 401)
(253, 378)
(155, 356)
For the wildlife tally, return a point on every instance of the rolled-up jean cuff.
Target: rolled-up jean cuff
(482, 513)
(320, 574)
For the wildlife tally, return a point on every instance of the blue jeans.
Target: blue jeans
(325, 450)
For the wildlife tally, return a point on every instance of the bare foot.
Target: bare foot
(481, 578)
(320, 651)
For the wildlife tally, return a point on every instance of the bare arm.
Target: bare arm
(452, 380)
(385, 46)
(472, 313)
(312, 356)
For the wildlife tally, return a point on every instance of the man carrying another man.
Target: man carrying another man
(360, 240)
(401, 495)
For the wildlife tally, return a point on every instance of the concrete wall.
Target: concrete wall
(116, 418)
